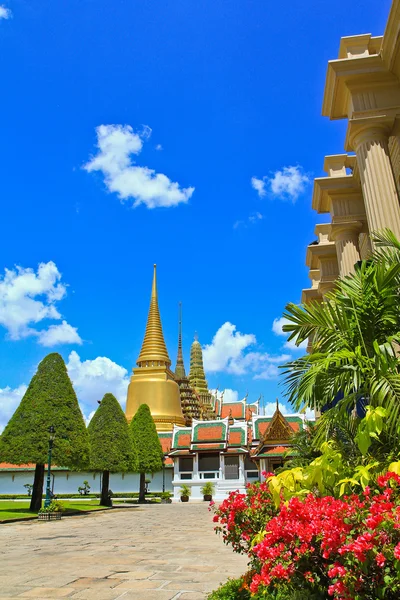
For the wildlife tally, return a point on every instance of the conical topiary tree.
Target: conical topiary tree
(147, 444)
(50, 400)
(111, 447)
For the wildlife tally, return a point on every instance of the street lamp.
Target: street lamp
(48, 484)
(163, 473)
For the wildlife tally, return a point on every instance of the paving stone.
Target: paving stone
(92, 583)
(139, 584)
(150, 595)
(162, 552)
(41, 592)
(98, 594)
(134, 575)
(191, 587)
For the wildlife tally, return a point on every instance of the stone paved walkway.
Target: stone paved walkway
(152, 552)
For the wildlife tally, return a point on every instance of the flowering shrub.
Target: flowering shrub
(346, 548)
(241, 516)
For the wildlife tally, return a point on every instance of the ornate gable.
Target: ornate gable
(278, 429)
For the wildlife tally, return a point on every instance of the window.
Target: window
(185, 464)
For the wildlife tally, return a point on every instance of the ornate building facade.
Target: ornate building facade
(360, 191)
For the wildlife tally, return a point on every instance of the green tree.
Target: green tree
(148, 446)
(111, 448)
(49, 400)
(355, 340)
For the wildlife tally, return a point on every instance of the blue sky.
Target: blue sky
(130, 134)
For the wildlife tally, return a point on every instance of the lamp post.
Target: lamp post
(163, 473)
(48, 483)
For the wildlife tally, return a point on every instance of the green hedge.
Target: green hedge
(87, 496)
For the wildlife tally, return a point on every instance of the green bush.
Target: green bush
(230, 591)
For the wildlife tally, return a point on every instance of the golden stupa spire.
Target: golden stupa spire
(154, 351)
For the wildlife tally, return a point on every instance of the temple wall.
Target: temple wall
(67, 482)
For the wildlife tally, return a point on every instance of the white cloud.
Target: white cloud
(229, 353)
(277, 328)
(116, 145)
(59, 334)
(159, 147)
(5, 13)
(28, 298)
(94, 378)
(287, 184)
(270, 408)
(228, 395)
(259, 186)
(9, 400)
(251, 220)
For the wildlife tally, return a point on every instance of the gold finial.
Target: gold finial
(277, 405)
(153, 349)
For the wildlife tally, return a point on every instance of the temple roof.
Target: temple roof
(165, 441)
(197, 376)
(153, 347)
(261, 424)
(210, 431)
(237, 410)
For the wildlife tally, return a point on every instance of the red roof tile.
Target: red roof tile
(213, 432)
(235, 410)
(236, 438)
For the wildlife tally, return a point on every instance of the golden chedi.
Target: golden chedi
(153, 382)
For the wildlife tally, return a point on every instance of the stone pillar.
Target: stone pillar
(195, 466)
(345, 236)
(221, 467)
(176, 468)
(241, 467)
(377, 180)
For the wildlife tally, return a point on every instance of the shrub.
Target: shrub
(323, 547)
(54, 506)
(242, 516)
(208, 489)
(231, 590)
(185, 490)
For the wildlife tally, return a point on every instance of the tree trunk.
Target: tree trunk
(105, 499)
(142, 488)
(37, 490)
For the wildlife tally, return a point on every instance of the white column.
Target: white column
(241, 466)
(196, 466)
(221, 467)
(176, 468)
(377, 180)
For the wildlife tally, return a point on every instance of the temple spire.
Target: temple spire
(180, 367)
(197, 376)
(154, 350)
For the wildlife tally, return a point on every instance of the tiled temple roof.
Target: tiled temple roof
(261, 424)
(237, 410)
(166, 441)
(210, 431)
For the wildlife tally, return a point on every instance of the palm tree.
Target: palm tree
(356, 336)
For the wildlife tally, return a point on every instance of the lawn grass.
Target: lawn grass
(20, 510)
